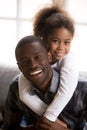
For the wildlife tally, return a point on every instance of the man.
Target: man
(33, 61)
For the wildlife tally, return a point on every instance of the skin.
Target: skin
(44, 124)
(33, 61)
(59, 43)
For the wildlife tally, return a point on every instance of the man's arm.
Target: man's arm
(44, 124)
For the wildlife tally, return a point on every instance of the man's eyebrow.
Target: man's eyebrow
(23, 58)
(36, 52)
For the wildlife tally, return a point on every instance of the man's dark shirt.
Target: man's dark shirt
(74, 114)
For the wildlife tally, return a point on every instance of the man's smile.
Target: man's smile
(36, 72)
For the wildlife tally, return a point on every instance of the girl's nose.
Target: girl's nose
(61, 45)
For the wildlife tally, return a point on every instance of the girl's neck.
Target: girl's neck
(53, 61)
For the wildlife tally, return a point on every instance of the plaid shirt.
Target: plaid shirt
(74, 114)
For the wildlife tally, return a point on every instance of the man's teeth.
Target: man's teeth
(36, 72)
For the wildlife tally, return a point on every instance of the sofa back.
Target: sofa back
(7, 73)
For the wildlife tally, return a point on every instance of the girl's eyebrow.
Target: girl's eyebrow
(59, 38)
(56, 37)
(68, 39)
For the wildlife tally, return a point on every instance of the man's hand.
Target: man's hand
(61, 123)
(45, 124)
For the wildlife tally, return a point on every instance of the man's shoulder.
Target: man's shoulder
(14, 83)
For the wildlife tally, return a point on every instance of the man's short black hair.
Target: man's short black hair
(30, 39)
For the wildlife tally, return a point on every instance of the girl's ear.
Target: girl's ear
(49, 57)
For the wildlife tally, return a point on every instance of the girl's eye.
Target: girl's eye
(55, 41)
(67, 42)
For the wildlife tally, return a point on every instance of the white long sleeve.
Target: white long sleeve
(32, 101)
(68, 82)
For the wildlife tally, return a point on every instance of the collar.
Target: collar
(54, 84)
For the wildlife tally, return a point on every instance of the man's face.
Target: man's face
(34, 64)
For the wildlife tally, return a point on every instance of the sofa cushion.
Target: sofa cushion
(7, 73)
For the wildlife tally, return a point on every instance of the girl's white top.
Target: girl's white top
(68, 69)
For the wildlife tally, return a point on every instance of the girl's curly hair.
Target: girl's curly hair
(50, 18)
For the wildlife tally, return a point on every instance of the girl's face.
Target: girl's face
(59, 43)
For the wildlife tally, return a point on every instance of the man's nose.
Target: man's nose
(33, 63)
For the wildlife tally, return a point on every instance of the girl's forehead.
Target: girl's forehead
(60, 30)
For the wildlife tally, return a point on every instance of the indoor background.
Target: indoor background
(16, 21)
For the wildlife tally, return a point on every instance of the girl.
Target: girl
(56, 28)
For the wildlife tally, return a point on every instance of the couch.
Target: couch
(7, 73)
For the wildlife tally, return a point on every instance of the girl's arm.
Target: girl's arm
(32, 101)
(68, 83)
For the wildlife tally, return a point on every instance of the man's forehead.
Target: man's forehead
(37, 47)
(34, 45)
(29, 50)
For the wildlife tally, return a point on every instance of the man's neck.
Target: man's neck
(46, 84)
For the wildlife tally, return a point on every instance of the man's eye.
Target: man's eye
(38, 57)
(24, 63)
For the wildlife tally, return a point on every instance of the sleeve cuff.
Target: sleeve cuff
(50, 116)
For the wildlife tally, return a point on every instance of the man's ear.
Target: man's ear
(49, 57)
(18, 66)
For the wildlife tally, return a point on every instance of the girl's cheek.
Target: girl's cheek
(53, 47)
